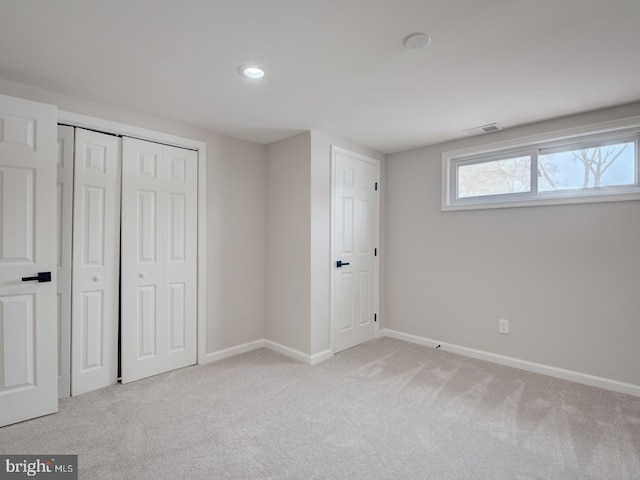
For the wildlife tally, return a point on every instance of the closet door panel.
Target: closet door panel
(177, 314)
(180, 256)
(177, 228)
(159, 226)
(141, 266)
(147, 322)
(96, 258)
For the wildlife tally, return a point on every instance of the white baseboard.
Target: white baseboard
(271, 345)
(288, 351)
(320, 357)
(230, 352)
(570, 375)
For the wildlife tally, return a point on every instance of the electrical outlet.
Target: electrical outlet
(503, 326)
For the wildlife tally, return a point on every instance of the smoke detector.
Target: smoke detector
(416, 41)
(490, 128)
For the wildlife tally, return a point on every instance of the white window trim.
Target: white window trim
(522, 146)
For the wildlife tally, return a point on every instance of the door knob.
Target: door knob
(142, 275)
(97, 278)
(41, 277)
(340, 263)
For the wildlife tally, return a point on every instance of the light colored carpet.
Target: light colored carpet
(383, 410)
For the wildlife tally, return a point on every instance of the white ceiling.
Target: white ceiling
(337, 66)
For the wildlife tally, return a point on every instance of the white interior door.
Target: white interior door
(159, 258)
(28, 324)
(355, 223)
(65, 219)
(96, 258)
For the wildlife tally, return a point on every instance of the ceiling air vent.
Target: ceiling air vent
(492, 127)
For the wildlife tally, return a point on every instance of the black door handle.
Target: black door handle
(340, 263)
(42, 277)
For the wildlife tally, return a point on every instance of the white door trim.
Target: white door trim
(336, 150)
(66, 146)
(108, 126)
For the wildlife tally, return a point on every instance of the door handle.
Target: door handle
(340, 263)
(42, 277)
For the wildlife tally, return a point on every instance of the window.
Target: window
(494, 177)
(590, 165)
(578, 168)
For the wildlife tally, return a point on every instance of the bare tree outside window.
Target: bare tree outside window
(596, 162)
(587, 167)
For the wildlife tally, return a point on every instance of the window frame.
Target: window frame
(476, 160)
(590, 136)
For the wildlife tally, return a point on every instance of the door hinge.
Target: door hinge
(376, 186)
(375, 252)
(375, 317)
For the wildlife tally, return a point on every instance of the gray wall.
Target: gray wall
(236, 222)
(565, 276)
(288, 275)
(235, 216)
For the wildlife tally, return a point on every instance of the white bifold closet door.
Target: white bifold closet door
(159, 258)
(96, 258)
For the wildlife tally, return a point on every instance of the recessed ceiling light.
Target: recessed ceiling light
(251, 71)
(416, 41)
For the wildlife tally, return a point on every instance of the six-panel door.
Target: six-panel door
(159, 251)
(28, 337)
(354, 230)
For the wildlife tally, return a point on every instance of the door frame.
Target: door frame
(117, 128)
(64, 274)
(358, 156)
